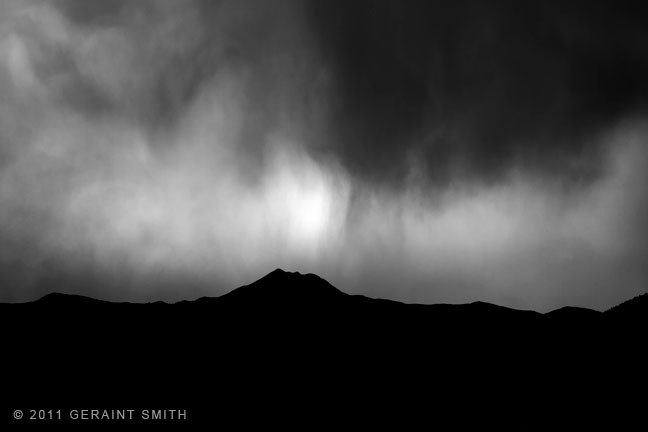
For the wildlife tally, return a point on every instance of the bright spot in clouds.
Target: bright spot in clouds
(305, 199)
(116, 161)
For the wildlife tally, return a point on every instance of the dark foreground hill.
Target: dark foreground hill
(291, 348)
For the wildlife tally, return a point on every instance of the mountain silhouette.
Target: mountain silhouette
(283, 288)
(631, 310)
(281, 346)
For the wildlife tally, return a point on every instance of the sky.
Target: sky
(420, 151)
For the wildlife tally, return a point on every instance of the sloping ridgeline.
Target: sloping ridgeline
(292, 348)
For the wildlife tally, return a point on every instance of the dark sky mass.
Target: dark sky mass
(424, 151)
(480, 83)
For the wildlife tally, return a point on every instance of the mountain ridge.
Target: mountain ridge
(229, 356)
(292, 284)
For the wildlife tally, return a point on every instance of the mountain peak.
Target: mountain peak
(277, 271)
(280, 286)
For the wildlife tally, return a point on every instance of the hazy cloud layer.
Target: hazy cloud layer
(420, 151)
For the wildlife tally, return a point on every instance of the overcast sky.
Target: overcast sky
(422, 151)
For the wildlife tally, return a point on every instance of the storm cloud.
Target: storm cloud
(420, 151)
(469, 88)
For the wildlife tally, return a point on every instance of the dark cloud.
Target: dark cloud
(420, 151)
(94, 12)
(470, 87)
